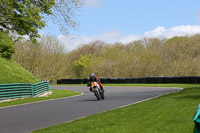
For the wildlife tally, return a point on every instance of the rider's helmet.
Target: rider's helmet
(92, 76)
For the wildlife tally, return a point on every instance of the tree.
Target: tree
(25, 17)
(64, 14)
(80, 66)
(45, 59)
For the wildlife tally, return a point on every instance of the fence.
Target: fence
(147, 80)
(40, 88)
(18, 90)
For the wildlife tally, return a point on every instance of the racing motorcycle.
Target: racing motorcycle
(97, 91)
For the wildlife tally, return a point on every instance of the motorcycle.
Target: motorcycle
(97, 91)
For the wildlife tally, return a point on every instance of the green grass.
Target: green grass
(56, 94)
(171, 113)
(12, 72)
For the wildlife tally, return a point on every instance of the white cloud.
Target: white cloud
(129, 38)
(182, 30)
(93, 3)
(73, 43)
(108, 37)
(116, 36)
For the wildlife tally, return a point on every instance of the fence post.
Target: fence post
(48, 87)
(32, 88)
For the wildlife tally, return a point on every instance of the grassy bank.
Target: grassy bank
(11, 72)
(172, 113)
(55, 94)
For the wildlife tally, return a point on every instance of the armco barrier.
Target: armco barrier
(40, 88)
(8, 91)
(19, 90)
(143, 80)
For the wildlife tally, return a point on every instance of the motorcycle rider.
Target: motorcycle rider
(94, 78)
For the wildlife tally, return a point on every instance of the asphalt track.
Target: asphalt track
(29, 117)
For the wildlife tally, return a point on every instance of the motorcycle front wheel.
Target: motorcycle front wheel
(96, 93)
(102, 95)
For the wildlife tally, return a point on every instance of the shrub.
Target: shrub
(6, 45)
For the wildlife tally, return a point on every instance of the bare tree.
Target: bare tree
(64, 14)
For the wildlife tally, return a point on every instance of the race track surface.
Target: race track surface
(29, 117)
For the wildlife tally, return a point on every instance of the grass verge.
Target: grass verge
(171, 113)
(56, 94)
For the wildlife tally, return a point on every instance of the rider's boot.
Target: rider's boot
(90, 89)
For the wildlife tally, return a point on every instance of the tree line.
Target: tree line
(46, 59)
(178, 56)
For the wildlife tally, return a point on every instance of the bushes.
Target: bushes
(6, 45)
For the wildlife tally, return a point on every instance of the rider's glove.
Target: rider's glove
(88, 85)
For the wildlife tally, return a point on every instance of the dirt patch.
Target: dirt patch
(46, 94)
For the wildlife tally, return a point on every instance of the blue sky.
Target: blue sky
(128, 20)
